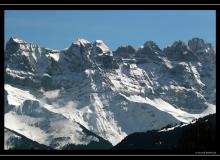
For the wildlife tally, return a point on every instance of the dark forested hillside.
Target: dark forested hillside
(196, 137)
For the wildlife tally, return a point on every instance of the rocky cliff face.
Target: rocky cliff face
(50, 96)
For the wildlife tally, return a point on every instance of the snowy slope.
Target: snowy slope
(15, 140)
(50, 95)
(31, 118)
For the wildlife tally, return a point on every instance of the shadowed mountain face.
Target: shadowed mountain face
(90, 97)
(16, 141)
(200, 136)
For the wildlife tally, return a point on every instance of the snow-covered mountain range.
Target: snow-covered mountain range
(87, 93)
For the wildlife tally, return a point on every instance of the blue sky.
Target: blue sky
(58, 29)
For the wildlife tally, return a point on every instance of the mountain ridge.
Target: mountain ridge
(110, 93)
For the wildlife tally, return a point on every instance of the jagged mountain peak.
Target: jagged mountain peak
(194, 44)
(16, 40)
(179, 46)
(180, 51)
(125, 51)
(81, 41)
(13, 44)
(101, 48)
(98, 41)
(198, 44)
(151, 50)
(152, 45)
(179, 43)
(98, 47)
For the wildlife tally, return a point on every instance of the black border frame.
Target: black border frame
(102, 7)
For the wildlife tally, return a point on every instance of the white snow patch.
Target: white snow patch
(81, 41)
(166, 107)
(18, 40)
(17, 96)
(167, 63)
(196, 75)
(19, 125)
(102, 46)
(55, 56)
(52, 94)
